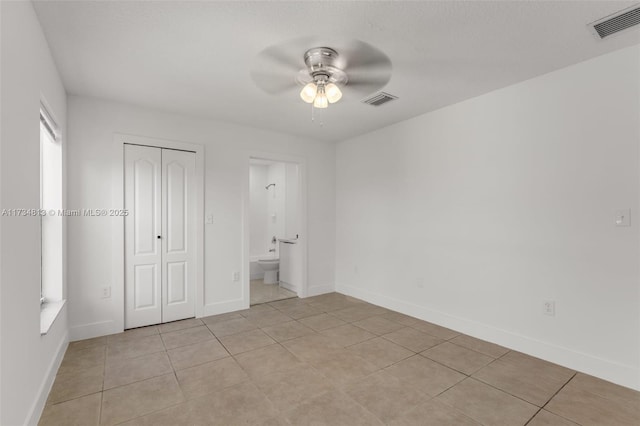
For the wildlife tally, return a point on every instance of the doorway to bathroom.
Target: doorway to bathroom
(276, 242)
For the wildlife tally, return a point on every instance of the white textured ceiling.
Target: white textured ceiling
(195, 57)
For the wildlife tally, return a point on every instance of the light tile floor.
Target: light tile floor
(263, 293)
(328, 359)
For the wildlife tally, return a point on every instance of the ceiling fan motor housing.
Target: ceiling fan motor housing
(322, 65)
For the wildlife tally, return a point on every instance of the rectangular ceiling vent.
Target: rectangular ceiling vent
(617, 22)
(379, 99)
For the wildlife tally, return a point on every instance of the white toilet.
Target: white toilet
(270, 268)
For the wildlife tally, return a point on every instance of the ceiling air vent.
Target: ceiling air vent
(379, 99)
(617, 22)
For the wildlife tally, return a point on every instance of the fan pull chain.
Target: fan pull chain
(313, 118)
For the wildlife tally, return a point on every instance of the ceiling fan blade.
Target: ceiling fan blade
(364, 83)
(276, 56)
(360, 56)
(274, 83)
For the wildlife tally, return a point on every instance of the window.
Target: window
(51, 253)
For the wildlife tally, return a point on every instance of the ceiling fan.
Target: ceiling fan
(324, 72)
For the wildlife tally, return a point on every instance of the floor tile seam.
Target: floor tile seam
(172, 372)
(223, 388)
(357, 343)
(516, 396)
(104, 374)
(544, 407)
(447, 366)
(134, 357)
(403, 346)
(52, 404)
(427, 398)
(395, 362)
(275, 324)
(534, 416)
(433, 335)
(290, 408)
(296, 357)
(71, 349)
(182, 329)
(202, 363)
(100, 408)
(451, 406)
(624, 401)
(469, 349)
(250, 350)
(342, 391)
(152, 412)
(474, 350)
(505, 391)
(369, 331)
(75, 370)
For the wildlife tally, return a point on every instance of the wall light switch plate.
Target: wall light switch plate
(106, 292)
(623, 217)
(236, 276)
(209, 220)
(550, 308)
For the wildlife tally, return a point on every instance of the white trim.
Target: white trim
(94, 329)
(302, 185)
(320, 289)
(45, 387)
(624, 375)
(224, 307)
(117, 179)
(49, 312)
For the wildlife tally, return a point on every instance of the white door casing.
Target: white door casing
(160, 238)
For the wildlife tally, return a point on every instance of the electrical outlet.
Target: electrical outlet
(106, 292)
(623, 217)
(236, 276)
(209, 220)
(550, 308)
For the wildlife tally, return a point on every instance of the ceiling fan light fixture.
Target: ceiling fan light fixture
(309, 92)
(333, 92)
(321, 100)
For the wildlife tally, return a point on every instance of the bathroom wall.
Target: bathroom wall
(258, 208)
(276, 204)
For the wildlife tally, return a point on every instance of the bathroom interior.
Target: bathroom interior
(274, 249)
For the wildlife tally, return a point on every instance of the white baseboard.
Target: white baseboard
(43, 393)
(289, 287)
(624, 375)
(320, 289)
(94, 329)
(224, 307)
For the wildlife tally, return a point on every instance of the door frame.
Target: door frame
(117, 222)
(302, 212)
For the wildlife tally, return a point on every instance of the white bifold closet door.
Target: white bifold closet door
(159, 235)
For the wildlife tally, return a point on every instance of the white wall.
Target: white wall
(28, 361)
(92, 124)
(473, 215)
